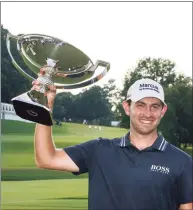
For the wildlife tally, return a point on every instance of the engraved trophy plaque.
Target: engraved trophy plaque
(60, 63)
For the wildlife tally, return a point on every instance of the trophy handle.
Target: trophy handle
(8, 43)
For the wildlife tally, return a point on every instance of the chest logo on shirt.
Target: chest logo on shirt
(160, 169)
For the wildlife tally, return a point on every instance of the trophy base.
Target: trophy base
(32, 111)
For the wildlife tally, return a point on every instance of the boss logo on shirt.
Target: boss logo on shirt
(161, 169)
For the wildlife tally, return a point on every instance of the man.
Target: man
(138, 171)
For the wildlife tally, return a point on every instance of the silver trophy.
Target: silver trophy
(52, 62)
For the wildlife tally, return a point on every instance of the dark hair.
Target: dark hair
(129, 103)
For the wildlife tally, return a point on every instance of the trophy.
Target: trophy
(52, 62)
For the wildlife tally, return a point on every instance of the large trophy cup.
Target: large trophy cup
(60, 63)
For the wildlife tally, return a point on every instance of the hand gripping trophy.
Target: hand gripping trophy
(45, 79)
(52, 62)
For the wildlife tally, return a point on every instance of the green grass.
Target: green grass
(18, 152)
(16, 127)
(9, 127)
(21, 174)
(25, 187)
(47, 194)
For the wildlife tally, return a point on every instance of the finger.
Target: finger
(40, 74)
(42, 71)
(36, 87)
(52, 88)
(35, 82)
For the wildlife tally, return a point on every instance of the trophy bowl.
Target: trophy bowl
(52, 62)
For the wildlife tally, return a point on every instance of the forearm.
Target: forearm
(43, 144)
(187, 206)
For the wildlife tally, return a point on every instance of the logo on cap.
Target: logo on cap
(149, 87)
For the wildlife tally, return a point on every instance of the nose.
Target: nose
(147, 111)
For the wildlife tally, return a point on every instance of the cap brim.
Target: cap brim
(136, 98)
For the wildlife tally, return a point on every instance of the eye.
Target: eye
(140, 105)
(156, 106)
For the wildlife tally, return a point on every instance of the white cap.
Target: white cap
(145, 88)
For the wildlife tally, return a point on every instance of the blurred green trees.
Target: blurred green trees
(95, 103)
(176, 125)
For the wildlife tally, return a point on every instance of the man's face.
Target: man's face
(145, 114)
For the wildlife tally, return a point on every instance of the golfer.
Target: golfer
(138, 171)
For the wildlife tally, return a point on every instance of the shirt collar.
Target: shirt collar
(160, 143)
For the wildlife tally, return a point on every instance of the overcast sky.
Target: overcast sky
(120, 33)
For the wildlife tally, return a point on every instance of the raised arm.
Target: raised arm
(46, 154)
(187, 206)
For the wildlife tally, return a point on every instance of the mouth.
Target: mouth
(146, 122)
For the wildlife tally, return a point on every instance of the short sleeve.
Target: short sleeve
(81, 154)
(185, 183)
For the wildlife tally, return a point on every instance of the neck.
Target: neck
(142, 141)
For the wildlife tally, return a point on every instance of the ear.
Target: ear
(126, 107)
(165, 108)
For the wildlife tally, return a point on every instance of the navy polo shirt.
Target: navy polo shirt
(121, 177)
